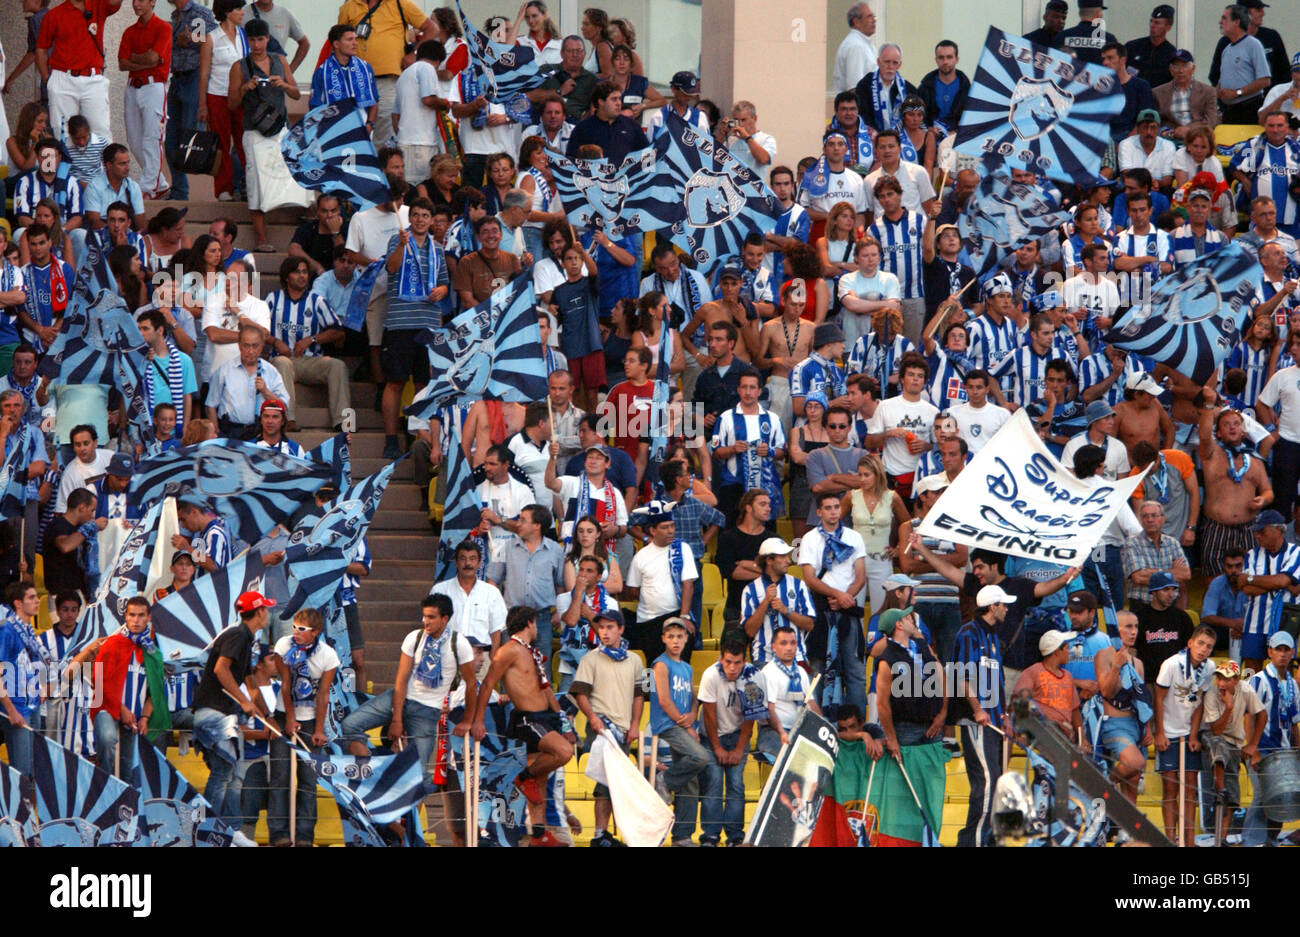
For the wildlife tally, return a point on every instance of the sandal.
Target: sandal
(265, 248)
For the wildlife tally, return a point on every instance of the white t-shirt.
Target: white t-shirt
(715, 688)
(478, 615)
(1183, 160)
(884, 285)
(843, 186)
(787, 702)
(1284, 386)
(917, 187)
(1290, 107)
(77, 474)
(1116, 464)
(370, 231)
(533, 463)
(322, 661)
(569, 487)
(487, 140)
(840, 576)
(507, 499)
(1159, 162)
(419, 124)
(1186, 686)
(1099, 299)
(216, 314)
(977, 426)
(651, 572)
(917, 417)
(434, 696)
(744, 155)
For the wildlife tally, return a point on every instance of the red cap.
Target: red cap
(252, 601)
(273, 403)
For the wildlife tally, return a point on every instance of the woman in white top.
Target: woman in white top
(535, 178)
(205, 284)
(876, 513)
(595, 29)
(543, 37)
(220, 51)
(654, 333)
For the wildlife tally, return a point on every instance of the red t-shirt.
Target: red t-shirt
(154, 36)
(75, 43)
(627, 409)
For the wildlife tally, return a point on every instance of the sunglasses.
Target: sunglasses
(837, 426)
(301, 629)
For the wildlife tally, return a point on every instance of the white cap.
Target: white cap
(1053, 640)
(1141, 380)
(936, 482)
(774, 546)
(992, 594)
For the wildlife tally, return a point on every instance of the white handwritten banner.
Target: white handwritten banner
(1016, 498)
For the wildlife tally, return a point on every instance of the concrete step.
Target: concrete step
(319, 418)
(384, 614)
(205, 210)
(409, 593)
(400, 520)
(398, 571)
(317, 395)
(363, 445)
(368, 466)
(419, 546)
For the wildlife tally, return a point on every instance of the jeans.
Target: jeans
(853, 669)
(251, 780)
(211, 728)
(715, 817)
(686, 778)
(1257, 828)
(944, 621)
(419, 721)
(18, 743)
(182, 115)
(277, 811)
(106, 741)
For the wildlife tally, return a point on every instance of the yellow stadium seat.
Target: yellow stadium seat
(785, 529)
(714, 592)
(795, 570)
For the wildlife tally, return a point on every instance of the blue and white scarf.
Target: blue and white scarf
(544, 187)
(429, 670)
(296, 660)
(866, 154)
(659, 415)
(175, 376)
(1243, 449)
(616, 653)
(752, 699)
(88, 553)
(1160, 478)
(418, 276)
(817, 180)
(836, 551)
(794, 673)
(906, 149)
(470, 89)
(887, 116)
(353, 80)
(36, 649)
(757, 471)
(143, 640)
(676, 563)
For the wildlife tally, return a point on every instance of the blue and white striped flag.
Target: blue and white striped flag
(719, 200)
(1039, 109)
(127, 578)
(462, 509)
(17, 817)
(13, 474)
(388, 785)
(78, 803)
(329, 150)
(186, 622)
(1195, 315)
(1003, 216)
(492, 350)
(355, 317)
(94, 275)
(632, 197)
(257, 487)
(335, 453)
(99, 342)
(504, 70)
(502, 811)
(174, 813)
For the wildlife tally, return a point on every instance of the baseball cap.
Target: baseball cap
(686, 81)
(1057, 6)
(1097, 410)
(946, 227)
(1162, 580)
(1141, 380)
(1295, 62)
(272, 403)
(615, 615)
(890, 618)
(1148, 115)
(1091, 5)
(1281, 639)
(1229, 669)
(1163, 12)
(1101, 182)
(1254, 4)
(600, 449)
(1053, 640)
(252, 601)
(121, 465)
(732, 272)
(1199, 193)
(774, 546)
(675, 622)
(1184, 55)
(936, 482)
(182, 555)
(998, 283)
(991, 594)
(899, 580)
(1266, 519)
(1081, 602)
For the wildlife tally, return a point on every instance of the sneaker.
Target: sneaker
(1204, 839)
(546, 839)
(239, 839)
(532, 791)
(685, 842)
(1232, 839)
(661, 788)
(225, 197)
(709, 841)
(392, 450)
(603, 839)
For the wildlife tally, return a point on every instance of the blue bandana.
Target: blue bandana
(836, 551)
(616, 653)
(429, 670)
(296, 661)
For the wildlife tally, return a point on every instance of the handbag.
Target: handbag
(197, 152)
(266, 118)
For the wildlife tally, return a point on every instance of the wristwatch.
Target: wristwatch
(1250, 577)
(1238, 92)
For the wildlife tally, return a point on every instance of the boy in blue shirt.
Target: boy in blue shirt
(672, 719)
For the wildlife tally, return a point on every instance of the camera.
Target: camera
(363, 30)
(263, 81)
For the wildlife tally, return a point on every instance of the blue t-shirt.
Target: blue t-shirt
(579, 325)
(13, 655)
(1083, 649)
(1039, 571)
(944, 95)
(679, 690)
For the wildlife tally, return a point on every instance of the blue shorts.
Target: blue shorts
(1167, 760)
(1254, 646)
(1118, 733)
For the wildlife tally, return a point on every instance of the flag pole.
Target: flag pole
(943, 182)
(478, 767)
(468, 792)
(293, 799)
(1182, 779)
(258, 716)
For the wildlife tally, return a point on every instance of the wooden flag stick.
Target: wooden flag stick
(258, 716)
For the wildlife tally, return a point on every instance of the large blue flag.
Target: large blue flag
(1039, 109)
(629, 198)
(257, 487)
(329, 150)
(186, 622)
(95, 336)
(1004, 215)
(719, 200)
(17, 817)
(502, 811)
(174, 813)
(335, 453)
(78, 803)
(355, 318)
(492, 350)
(1194, 316)
(462, 509)
(503, 71)
(94, 275)
(125, 579)
(388, 785)
(13, 473)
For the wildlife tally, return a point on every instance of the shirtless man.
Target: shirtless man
(535, 719)
(726, 308)
(1186, 393)
(1236, 480)
(1127, 760)
(1140, 417)
(782, 343)
(477, 435)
